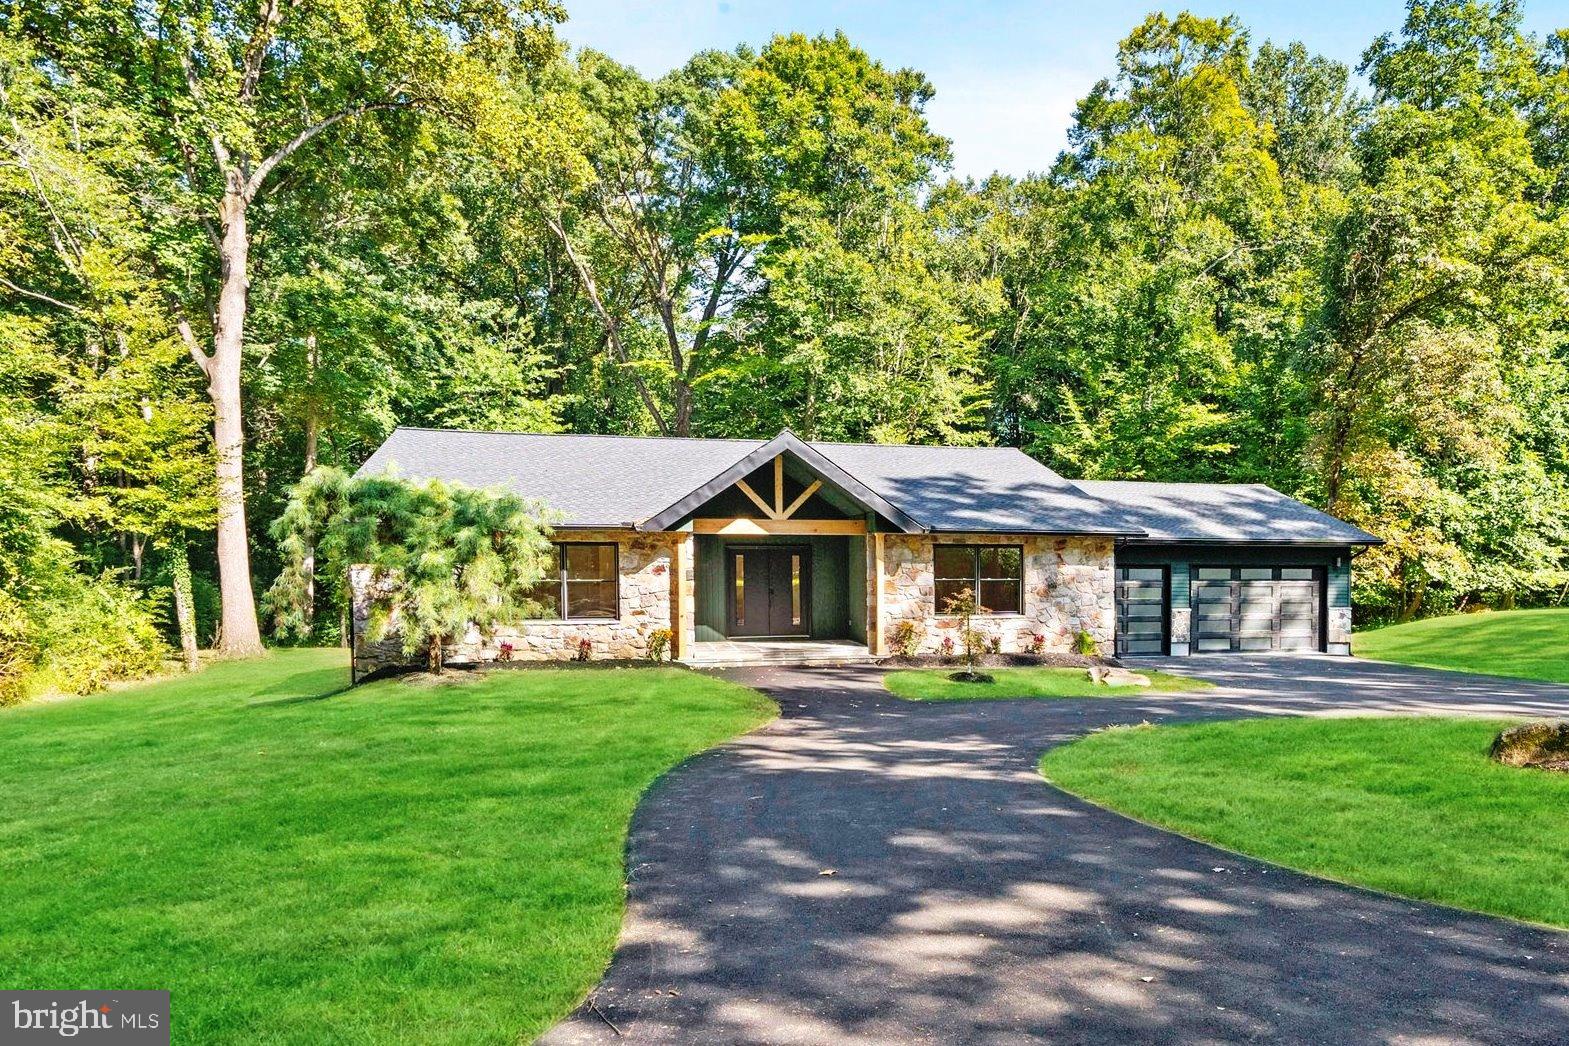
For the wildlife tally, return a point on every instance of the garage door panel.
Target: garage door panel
(1141, 610)
(1256, 609)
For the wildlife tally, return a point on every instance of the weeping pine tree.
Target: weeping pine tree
(441, 557)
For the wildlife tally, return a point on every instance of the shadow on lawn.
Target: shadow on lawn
(969, 901)
(316, 684)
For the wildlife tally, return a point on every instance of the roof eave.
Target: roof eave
(1053, 532)
(1327, 542)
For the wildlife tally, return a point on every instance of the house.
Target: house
(831, 546)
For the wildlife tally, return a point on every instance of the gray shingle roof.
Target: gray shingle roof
(1221, 512)
(623, 481)
(975, 488)
(587, 480)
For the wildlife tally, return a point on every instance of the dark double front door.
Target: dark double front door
(767, 588)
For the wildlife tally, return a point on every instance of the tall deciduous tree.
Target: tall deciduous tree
(229, 93)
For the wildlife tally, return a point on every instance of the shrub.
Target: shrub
(585, 649)
(18, 651)
(908, 635)
(1037, 644)
(441, 557)
(99, 632)
(994, 644)
(947, 646)
(76, 637)
(1085, 644)
(964, 606)
(658, 644)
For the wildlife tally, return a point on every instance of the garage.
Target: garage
(1257, 609)
(1228, 568)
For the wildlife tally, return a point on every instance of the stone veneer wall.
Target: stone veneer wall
(1069, 584)
(1338, 639)
(1181, 630)
(645, 598)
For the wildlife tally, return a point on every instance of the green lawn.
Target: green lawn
(923, 684)
(1531, 644)
(301, 863)
(1411, 806)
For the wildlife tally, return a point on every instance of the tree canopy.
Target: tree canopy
(239, 243)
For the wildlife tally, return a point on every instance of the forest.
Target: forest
(242, 241)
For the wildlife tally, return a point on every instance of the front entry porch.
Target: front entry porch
(744, 653)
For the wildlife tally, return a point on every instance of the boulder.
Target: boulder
(1106, 676)
(1544, 745)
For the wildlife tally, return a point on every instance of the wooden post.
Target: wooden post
(681, 561)
(874, 626)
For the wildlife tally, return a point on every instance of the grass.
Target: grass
(1529, 644)
(300, 863)
(1410, 806)
(923, 684)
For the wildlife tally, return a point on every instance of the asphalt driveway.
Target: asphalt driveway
(871, 870)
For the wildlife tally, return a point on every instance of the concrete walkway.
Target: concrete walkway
(870, 870)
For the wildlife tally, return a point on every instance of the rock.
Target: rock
(1544, 745)
(1117, 677)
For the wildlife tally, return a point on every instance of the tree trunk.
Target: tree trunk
(308, 564)
(683, 407)
(1413, 603)
(184, 607)
(433, 655)
(240, 633)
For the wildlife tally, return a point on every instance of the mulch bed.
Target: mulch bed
(1001, 661)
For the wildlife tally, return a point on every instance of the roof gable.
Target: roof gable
(786, 442)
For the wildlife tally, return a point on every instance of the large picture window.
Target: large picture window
(584, 581)
(995, 573)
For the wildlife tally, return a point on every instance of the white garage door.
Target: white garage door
(1256, 609)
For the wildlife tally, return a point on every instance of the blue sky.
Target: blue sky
(1007, 73)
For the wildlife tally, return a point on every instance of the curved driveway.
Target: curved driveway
(870, 870)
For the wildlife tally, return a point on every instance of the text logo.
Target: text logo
(129, 1018)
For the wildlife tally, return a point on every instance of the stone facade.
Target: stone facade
(1181, 630)
(1069, 584)
(1339, 637)
(646, 591)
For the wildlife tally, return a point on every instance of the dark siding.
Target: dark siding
(855, 590)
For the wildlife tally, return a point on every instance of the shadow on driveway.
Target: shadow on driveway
(873, 870)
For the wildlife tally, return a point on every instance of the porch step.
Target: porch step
(791, 662)
(733, 654)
